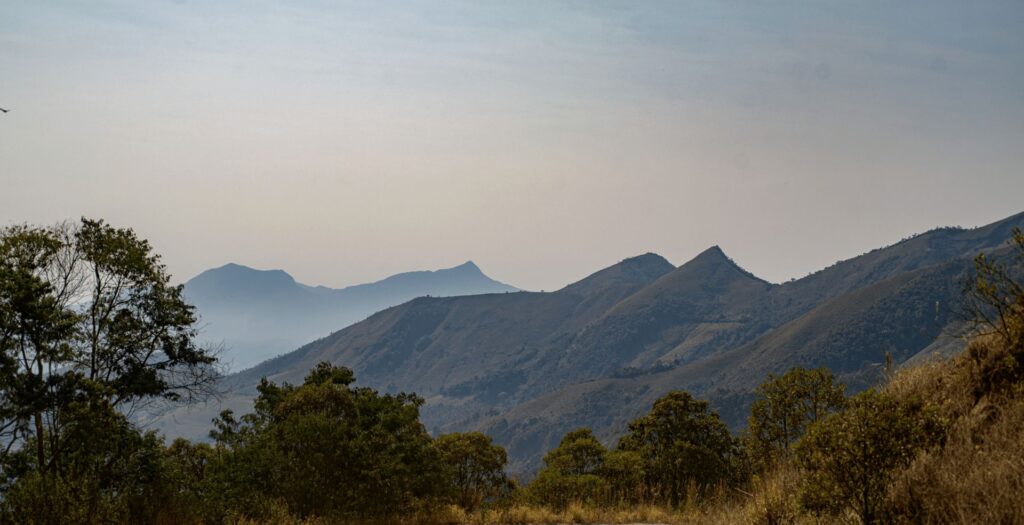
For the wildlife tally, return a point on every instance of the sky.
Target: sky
(347, 141)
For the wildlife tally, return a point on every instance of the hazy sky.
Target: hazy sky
(345, 142)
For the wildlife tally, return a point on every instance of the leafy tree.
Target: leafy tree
(35, 327)
(87, 311)
(109, 473)
(578, 454)
(681, 441)
(785, 406)
(850, 456)
(326, 448)
(474, 466)
(571, 471)
(623, 473)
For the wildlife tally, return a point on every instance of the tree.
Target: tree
(109, 473)
(35, 326)
(571, 471)
(326, 448)
(578, 454)
(995, 296)
(623, 474)
(850, 456)
(474, 467)
(87, 316)
(785, 406)
(681, 441)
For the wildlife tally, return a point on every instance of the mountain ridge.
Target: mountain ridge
(259, 313)
(628, 332)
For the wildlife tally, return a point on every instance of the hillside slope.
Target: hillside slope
(464, 353)
(528, 366)
(850, 335)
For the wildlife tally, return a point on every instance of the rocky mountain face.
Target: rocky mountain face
(527, 367)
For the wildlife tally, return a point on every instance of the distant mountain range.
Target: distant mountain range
(258, 314)
(527, 367)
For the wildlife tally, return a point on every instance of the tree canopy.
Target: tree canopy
(681, 441)
(786, 405)
(87, 311)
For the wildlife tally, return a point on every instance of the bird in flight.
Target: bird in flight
(4, 110)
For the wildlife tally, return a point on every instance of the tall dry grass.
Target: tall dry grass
(575, 513)
(977, 474)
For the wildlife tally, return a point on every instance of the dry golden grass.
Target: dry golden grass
(514, 515)
(574, 513)
(977, 475)
(770, 499)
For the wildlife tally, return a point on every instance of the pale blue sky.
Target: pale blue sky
(346, 141)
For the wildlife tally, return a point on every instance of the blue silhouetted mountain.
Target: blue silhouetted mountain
(257, 314)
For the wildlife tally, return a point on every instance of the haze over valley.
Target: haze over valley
(253, 315)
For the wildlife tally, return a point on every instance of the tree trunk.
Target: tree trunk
(40, 443)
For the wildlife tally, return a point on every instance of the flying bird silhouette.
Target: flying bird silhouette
(4, 110)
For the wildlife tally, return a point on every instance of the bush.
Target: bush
(850, 457)
(570, 472)
(327, 449)
(473, 466)
(682, 443)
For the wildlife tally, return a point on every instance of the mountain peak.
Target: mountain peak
(714, 262)
(713, 253)
(641, 269)
(240, 274)
(236, 282)
(468, 267)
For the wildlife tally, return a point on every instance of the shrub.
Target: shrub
(681, 442)
(570, 472)
(851, 456)
(474, 467)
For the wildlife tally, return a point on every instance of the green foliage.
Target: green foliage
(784, 407)
(681, 442)
(578, 454)
(90, 326)
(474, 467)
(623, 473)
(109, 472)
(327, 449)
(87, 311)
(571, 471)
(851, 456)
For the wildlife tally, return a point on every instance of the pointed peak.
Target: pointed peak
(713, 254)
(468, 266)
(713, 259)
